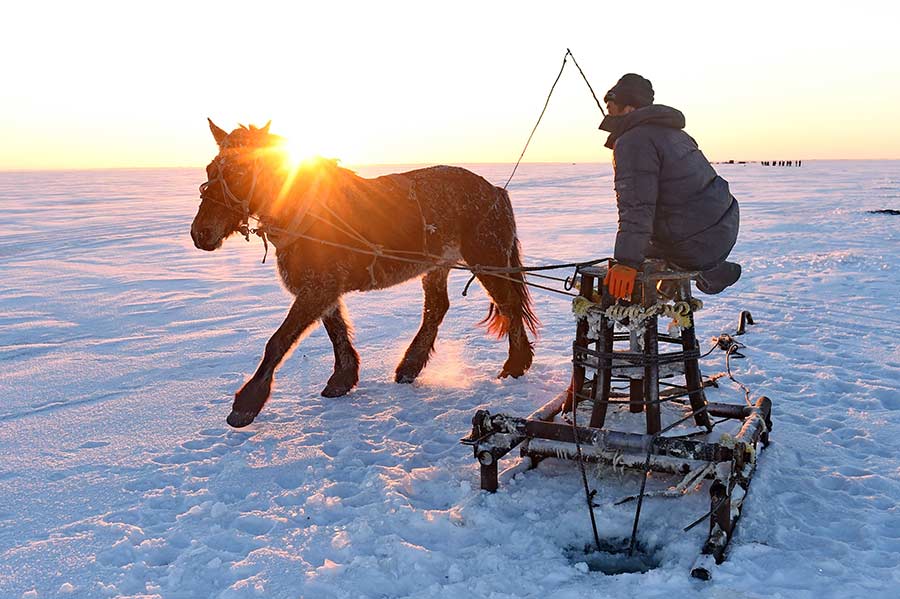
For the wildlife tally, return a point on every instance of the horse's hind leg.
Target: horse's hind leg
(508, 316)
(346, 360)
(436, 305)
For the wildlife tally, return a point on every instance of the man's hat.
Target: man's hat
(631, 90)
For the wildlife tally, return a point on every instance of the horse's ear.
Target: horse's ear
(266, 128)
(218, 134)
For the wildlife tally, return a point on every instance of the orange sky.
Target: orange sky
(115, 84)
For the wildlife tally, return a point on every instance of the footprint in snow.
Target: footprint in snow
(254, 525)
(204, 443)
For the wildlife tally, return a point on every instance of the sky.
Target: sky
(93, 84)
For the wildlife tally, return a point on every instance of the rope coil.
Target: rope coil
(633, 315)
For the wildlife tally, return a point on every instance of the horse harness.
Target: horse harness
(281, 237)
(235, 203)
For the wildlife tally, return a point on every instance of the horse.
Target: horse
(335, 232)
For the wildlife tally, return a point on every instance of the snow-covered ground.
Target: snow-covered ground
(121, 346)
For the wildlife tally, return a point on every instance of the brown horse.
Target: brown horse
(336, 232)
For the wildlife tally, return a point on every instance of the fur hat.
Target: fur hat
(631, 90)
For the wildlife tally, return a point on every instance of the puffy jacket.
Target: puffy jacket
(671, 202)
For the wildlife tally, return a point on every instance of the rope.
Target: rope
(588, 493)
(427, 259)
(731, 347)
(599, 105)
(547, 102)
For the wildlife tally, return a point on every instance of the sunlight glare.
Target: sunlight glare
(295, 153)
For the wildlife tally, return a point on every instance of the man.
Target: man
(672, 204)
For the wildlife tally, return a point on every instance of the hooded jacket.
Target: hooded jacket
(671, 202)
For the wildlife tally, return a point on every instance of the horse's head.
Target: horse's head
(236, 185)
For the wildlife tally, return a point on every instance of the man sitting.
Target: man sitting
(672, 205)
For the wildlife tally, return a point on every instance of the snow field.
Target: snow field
(122, 346)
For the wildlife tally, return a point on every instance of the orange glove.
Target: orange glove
(620, 281)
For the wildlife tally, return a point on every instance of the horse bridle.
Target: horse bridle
(234, 202)
(237, 204)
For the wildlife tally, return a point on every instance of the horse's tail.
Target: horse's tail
(498, 323)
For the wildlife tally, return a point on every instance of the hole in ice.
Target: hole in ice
(613, 558)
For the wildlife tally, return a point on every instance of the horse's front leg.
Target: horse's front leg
(253, 395)
(346, 360)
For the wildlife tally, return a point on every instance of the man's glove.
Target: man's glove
(620, 281)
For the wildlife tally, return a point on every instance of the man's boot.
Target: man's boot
(716, 280)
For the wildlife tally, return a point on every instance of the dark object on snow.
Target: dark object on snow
(671, 202)
(631, 90)
(639, 366)
(745, 319)
(336, 232)
(885, 211)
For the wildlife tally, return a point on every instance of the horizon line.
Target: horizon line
(369, 164)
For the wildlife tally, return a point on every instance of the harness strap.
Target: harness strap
(231, 197)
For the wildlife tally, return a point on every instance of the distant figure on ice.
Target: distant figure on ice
(672, 204)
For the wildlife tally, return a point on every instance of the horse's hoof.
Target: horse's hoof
(336, 390)
(513, 373)
(404, 378)
(406, 373)
(240, 419)
(340, 383)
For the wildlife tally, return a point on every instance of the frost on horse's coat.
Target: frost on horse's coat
(330, 227)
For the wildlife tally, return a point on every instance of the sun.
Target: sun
(295, 153)
(305, 137)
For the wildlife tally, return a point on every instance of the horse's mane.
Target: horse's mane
(245, 137)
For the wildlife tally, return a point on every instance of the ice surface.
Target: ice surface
(121, 346)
